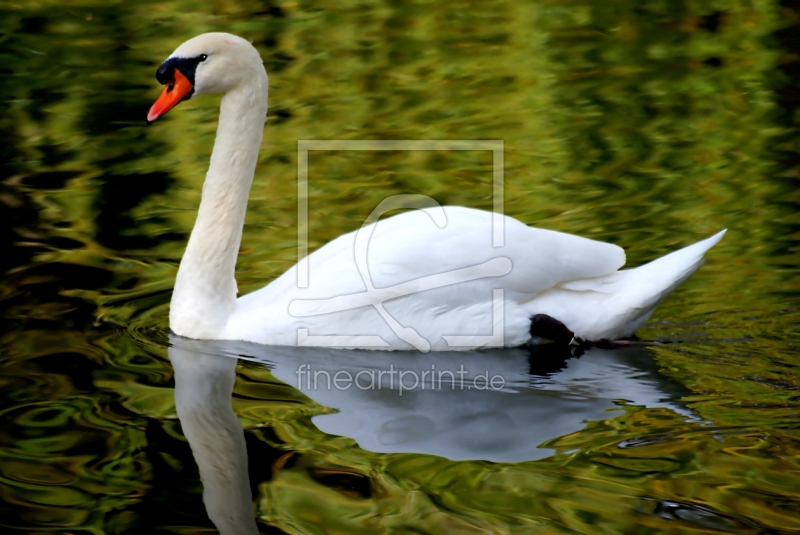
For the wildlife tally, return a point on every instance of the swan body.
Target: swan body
(567, 277)
(428, 279)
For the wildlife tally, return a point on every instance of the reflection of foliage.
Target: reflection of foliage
(69, 459)
(636, 121)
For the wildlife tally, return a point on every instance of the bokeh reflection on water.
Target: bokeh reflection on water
(648, 124)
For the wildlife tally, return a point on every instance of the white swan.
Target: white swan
(429, 279)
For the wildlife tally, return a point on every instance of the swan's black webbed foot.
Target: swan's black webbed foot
(548, 328)
(545, 327)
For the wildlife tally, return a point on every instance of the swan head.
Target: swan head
(209, 63)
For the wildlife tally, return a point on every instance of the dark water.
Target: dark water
(650, 124)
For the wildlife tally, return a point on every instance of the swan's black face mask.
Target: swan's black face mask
(187, 66)
(177, 76)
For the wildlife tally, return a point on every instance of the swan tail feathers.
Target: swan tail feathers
(665, 274)
(616, 305)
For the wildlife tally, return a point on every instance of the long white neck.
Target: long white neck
(205, 289)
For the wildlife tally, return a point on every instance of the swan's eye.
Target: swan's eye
(203, 57)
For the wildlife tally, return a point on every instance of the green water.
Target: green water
(649, 124)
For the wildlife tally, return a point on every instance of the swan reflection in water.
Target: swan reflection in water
(499, 406)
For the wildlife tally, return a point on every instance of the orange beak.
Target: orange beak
(173, 93)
